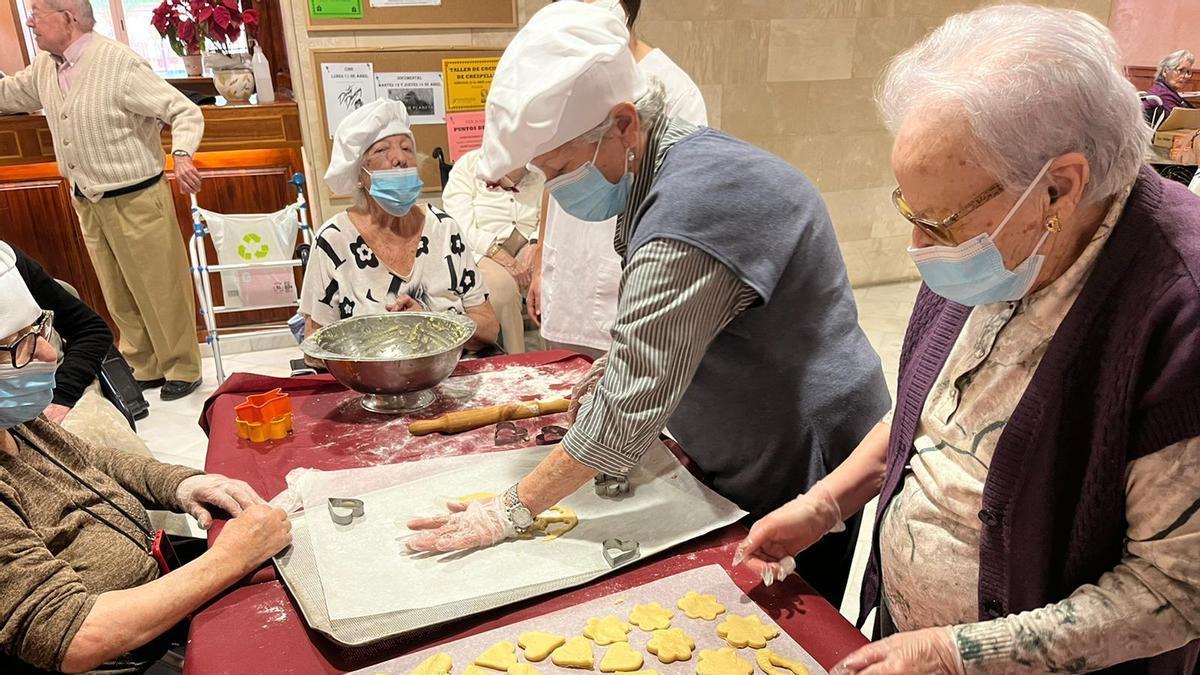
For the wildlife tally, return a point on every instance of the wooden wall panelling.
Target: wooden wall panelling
(1142, 77)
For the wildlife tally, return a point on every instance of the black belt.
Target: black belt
(128, 189)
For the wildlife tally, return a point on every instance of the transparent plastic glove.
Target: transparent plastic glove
(930, 651)
(470, 525)
(197, 493)
(786, 531)
(586, 386)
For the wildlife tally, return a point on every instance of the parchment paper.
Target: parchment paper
(569, 623)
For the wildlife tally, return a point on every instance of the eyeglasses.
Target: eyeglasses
(1186, 72)
(38, 16)
(939, 230)
(21, 351)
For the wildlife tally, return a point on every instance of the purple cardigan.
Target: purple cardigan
(1120, 380)
(1171, 99)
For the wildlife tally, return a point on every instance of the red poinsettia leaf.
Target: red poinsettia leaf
(231, 4)
(250, 17)
(221, 17)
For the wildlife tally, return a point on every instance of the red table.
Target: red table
(256, 628)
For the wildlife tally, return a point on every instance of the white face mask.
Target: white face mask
(615, 7)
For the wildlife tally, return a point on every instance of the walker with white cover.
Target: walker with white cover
(256, 253)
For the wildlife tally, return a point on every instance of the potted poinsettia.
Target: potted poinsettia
(216, 25)
(174, 23)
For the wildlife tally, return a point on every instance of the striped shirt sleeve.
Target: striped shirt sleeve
(675, 299)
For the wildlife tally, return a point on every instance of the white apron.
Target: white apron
(580, 276)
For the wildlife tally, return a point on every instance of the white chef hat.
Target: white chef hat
(615, 8)
(558, 78)
(18, 311)
(360, 130)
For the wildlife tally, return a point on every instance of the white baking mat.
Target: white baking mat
(569, 623)
(365, 571)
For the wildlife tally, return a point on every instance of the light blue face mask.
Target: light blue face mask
(25, 392)
(587, 195)
(973, 272)
(395, 190)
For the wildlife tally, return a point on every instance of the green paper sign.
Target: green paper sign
(335, 9)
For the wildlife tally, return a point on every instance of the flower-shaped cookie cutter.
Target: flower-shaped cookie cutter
(264, 417)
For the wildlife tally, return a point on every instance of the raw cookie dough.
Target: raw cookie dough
(651, 617)
(476, 670)
(523, 669)
(671, 645)
(608, 630)
(476, 497)
(538, 645)
(576, 653)
(621, 658)
(746, 631)
(562, 516)
(438, 664)
(770, 663)
(701, 606)
(723, 661)
(500, 656)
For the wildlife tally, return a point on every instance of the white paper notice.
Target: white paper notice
(348, 87)
(421, 94)
(405, 3)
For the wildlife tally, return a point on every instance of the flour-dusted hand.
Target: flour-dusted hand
(466, 526)
(198, 493)
(930, 651)
(786, 531)
(586, 386)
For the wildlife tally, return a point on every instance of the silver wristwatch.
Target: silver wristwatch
(518, 514)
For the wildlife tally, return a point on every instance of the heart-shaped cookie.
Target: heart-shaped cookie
(473, 669)
(746, 631)
(651, 617)
(538, 645)
(671, 645)
(723, 661)
(523, 669)
(438, 664)
(621, 658)
(500, 656)
(700, 606)
(607, 630)
(576, 653)
(771, 663)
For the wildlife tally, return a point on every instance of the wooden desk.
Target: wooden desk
(247, 157)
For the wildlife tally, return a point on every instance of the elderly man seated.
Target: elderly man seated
(385, 253)
(501, 228)
(85, 584)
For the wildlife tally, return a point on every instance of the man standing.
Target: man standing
(105, 107)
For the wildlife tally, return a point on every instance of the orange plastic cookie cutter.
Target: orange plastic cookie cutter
(264, 417)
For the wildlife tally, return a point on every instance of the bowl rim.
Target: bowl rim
(308, 345)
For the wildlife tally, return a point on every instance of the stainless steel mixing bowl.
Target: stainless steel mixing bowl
(395, 359)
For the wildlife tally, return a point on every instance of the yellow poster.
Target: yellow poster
(467, 82)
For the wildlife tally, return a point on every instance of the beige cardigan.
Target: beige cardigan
(106, 128)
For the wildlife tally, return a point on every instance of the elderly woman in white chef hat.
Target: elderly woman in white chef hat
(735, 325)
(386, 253)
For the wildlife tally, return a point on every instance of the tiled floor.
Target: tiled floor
(174, 436)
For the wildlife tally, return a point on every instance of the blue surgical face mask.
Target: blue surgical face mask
(25, 392)
(973, 273)
(395, 190)
(587, 195)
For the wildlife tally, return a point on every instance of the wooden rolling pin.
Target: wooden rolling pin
(466, 420)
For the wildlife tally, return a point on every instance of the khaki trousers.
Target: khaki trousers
(136, 247)
(505, 296)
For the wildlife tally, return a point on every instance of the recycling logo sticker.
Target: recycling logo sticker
(252, 247)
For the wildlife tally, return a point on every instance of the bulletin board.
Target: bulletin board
(400, 59)
(444, 14)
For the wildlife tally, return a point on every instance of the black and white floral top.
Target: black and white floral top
(345, 278)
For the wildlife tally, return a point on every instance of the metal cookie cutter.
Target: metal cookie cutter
(608, 485)
(619, 552)
(344, 511)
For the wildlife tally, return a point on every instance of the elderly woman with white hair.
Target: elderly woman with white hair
(386, 253)
(1174, 71)
(1038, 478)
(735, 326)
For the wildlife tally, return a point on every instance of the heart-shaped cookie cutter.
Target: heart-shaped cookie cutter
(343, 511)
(627, 552)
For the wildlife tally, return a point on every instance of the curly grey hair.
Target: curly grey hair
(650, 107)
(1034, 83)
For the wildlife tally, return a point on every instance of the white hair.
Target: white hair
(1172, 61)
(1034, 83)
(650, 107)
(82, 9)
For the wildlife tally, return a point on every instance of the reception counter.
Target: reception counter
(247, 158)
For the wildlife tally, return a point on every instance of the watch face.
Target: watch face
(521, 517)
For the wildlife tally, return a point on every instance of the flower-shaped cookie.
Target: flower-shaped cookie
(539, 645)
(438, 664)
(671, 645)
(771, 663)
(621, 658)
(723, 661)
(576, 653)
(608, 630)
(500, 656)
(701, 606)
(651, 617)
(746, 631)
